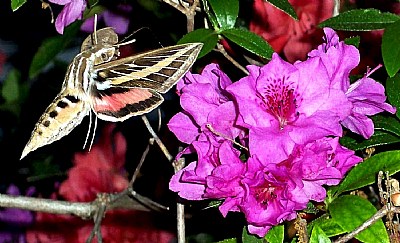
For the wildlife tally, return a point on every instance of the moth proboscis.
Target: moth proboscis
(113, 88)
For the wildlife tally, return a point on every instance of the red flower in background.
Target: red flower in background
(3, 59)
(101, 170)
(294, 39)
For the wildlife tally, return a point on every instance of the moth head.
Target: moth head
(104, 54)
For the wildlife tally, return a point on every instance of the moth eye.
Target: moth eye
(104, 56)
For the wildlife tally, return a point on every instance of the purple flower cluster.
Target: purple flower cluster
(267, 144)
(16, 220)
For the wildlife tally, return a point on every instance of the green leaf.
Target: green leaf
(50, 48)
(387, 124)
(249, 41)
(208, 37)
(16, 4)
(248, 238)
(226, 12)
(392, 90)
(276, 234)
(10, 89)
(360, 20)
(329, 226)
(95, 9)
(351, 211)
(378, 139)
(318, 236)
(390, 48)
(355, 41)
(13, 92)
(232, 240)
(44, 169)
(365, 173)
(285, 6)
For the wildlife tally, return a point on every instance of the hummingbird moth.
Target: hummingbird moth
(113, 88)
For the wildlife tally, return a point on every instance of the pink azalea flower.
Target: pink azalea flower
(366, 95)
(291, 112)
(204, 100)
(268, 193)
(274, 192)
(73, 10)
(192, 181)
(284, 104)
(294, 39)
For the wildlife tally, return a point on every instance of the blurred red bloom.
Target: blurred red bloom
(3, 59)
(100, 170)
(294, 39)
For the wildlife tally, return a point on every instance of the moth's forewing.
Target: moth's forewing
(158, 69)
(60, 117)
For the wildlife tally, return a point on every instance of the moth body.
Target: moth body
(114, 89)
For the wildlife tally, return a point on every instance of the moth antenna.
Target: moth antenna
(125, 43)
(89, 128)
(95, 29)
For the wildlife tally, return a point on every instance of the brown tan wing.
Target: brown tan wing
(60, 117)
(158, 69)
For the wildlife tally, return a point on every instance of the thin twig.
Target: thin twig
(176, 5)
(142, 159)
(180, 208)
(190, 13)
(178, 165)
(148, 202)
(189, 10)
(96, 231)
(221, 49)
(377, 216)
(157, 139)
(83, 210)
(179, 5)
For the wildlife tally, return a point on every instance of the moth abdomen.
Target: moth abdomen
(60, 117)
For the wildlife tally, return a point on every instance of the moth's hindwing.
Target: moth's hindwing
(60, 117)
(118, 104)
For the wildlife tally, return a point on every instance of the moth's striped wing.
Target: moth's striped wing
(159, 69)
(59, 119)
(131, 86)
